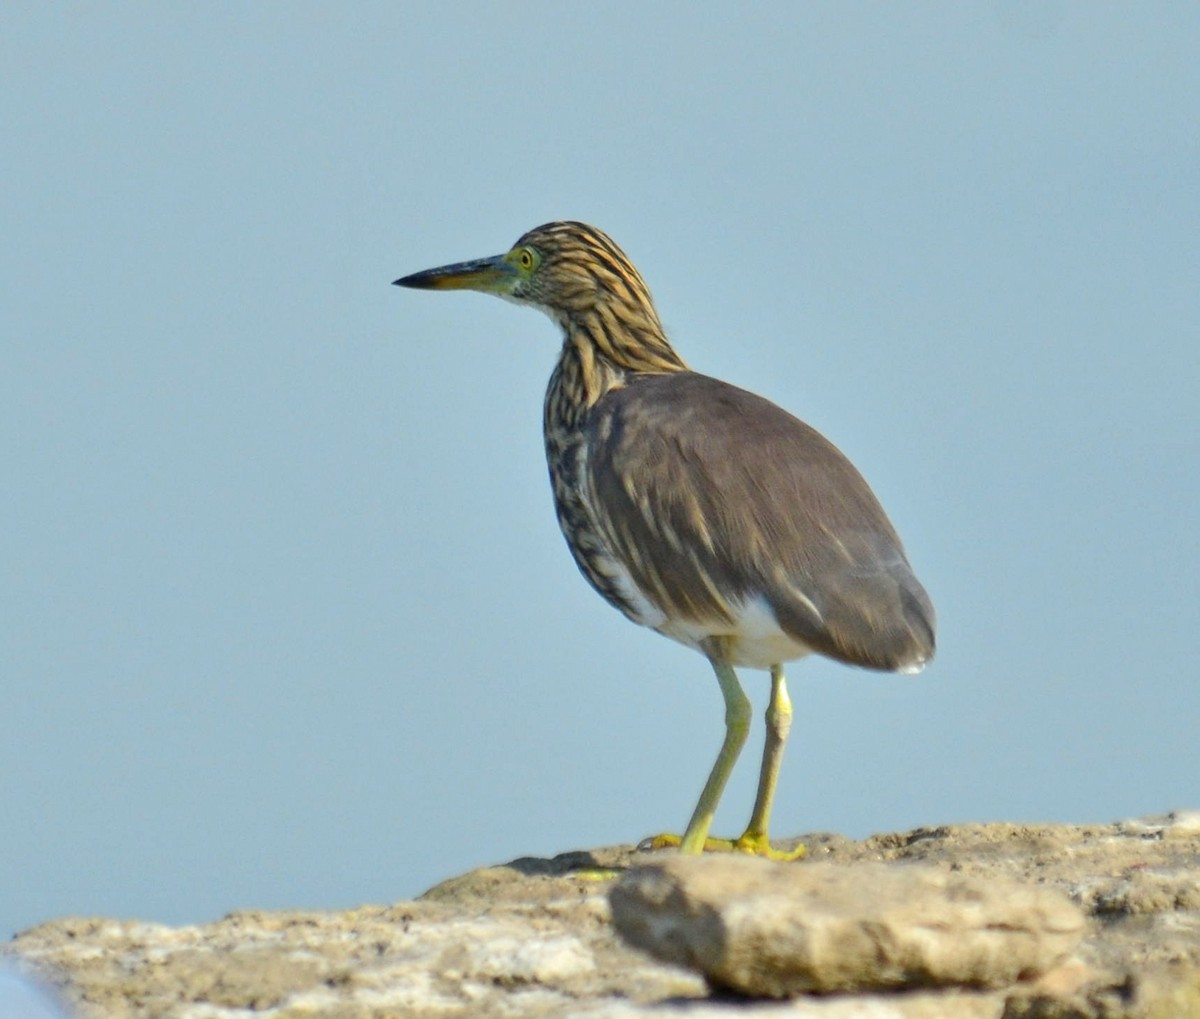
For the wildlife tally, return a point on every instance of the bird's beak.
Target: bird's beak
(491, 275)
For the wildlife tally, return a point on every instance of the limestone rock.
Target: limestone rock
(776, 930)
(533, 939)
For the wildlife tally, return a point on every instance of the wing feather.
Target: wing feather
(711, 495)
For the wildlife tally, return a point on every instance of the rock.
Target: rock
(545, 950)
(1145, 891)
(776, 930)
(1158, 993)
(534, 939)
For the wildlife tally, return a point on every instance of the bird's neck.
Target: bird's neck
(602, 347)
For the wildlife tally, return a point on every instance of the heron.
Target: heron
(699, 509)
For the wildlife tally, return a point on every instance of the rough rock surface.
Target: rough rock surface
(763, 930)
(534, 938)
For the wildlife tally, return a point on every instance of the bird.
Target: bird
(701, 510)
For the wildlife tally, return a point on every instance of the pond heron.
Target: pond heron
(698, 509)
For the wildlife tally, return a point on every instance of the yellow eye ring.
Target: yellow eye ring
(525, 259)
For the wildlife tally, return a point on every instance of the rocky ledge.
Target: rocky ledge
(999, 921)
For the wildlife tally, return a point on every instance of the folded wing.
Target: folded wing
(711, 496)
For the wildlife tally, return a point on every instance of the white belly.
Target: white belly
(753, 639)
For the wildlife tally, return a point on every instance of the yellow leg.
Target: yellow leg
(779, 724)
(737, 722)
(737, 725)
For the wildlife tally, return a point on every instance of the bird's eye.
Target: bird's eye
(526, 259)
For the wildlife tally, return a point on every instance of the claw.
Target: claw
(751, 843)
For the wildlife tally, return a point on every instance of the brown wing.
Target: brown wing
(710, 495)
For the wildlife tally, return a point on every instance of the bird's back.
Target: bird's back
(720, 507)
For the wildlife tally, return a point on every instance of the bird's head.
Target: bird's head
(566, 269)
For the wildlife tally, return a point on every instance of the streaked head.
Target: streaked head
(564, 268)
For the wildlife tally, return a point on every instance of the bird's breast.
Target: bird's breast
(566, 459)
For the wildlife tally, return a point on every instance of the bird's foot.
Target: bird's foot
(753, 843)
(757, 844)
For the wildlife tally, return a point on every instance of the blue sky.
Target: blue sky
(285, 617)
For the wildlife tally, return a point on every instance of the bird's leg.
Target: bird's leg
(737, 725)
(779, 724)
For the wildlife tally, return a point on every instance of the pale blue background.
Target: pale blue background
(285, 617)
